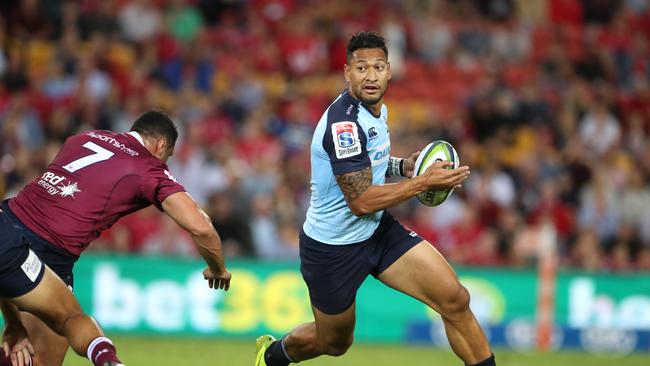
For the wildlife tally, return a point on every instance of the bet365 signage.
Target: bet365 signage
(156, 295)
(179, 301)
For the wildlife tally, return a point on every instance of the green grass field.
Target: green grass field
(190, 352)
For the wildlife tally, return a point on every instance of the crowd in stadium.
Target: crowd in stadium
(547, 101)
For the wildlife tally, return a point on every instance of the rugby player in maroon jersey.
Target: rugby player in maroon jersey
(96, 178)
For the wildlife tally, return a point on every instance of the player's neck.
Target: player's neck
(150, 145)
(374, 109)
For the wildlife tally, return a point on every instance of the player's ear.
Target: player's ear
(390, 74)
(346, 72)
(162, 144)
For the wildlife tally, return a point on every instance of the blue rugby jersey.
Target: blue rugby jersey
(347, 138)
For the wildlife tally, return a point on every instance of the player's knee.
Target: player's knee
(457, 302)
(338, 347)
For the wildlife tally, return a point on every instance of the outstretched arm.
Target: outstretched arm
(188, 215)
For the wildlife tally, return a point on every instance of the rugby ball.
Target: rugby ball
(434, 152)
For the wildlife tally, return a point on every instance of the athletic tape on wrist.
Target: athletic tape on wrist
(395, 167)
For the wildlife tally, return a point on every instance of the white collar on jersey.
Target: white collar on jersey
(137, 136)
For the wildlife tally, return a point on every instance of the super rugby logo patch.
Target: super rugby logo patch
(346, 139)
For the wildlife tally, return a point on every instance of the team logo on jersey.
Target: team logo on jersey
(346, 136)
(372, 133)
(58, 185)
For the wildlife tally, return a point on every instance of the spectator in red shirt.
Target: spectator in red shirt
(567, 12)
(304, 50)
(551, 205)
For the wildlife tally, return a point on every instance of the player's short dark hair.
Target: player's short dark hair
(156, 124)
(365, 40)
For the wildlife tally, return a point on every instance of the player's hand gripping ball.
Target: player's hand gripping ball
(434, 152)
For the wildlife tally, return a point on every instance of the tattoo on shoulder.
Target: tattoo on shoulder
(354, 184)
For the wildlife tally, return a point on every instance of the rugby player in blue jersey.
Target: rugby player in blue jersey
(348, 233)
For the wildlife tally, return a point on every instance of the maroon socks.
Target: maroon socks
(101, 351)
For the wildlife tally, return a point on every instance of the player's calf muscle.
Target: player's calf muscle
(338, 346)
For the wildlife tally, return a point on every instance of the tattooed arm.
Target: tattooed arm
(364, 198)
(355, 183)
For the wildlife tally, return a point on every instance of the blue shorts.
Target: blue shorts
(59, 261)
(334, 273)
(20, 269)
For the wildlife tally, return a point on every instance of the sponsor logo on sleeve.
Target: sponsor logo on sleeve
(346, 139)
(31, 266)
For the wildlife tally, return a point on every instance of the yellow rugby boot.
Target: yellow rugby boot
(263, 343)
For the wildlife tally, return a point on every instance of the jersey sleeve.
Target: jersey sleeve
(345, 143)
(158, 185)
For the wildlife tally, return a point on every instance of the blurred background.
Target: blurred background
(548, 101)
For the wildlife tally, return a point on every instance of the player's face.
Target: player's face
(368, 73)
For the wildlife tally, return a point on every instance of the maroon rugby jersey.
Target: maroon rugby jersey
(96, 178)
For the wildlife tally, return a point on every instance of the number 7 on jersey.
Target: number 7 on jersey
(100, 154)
